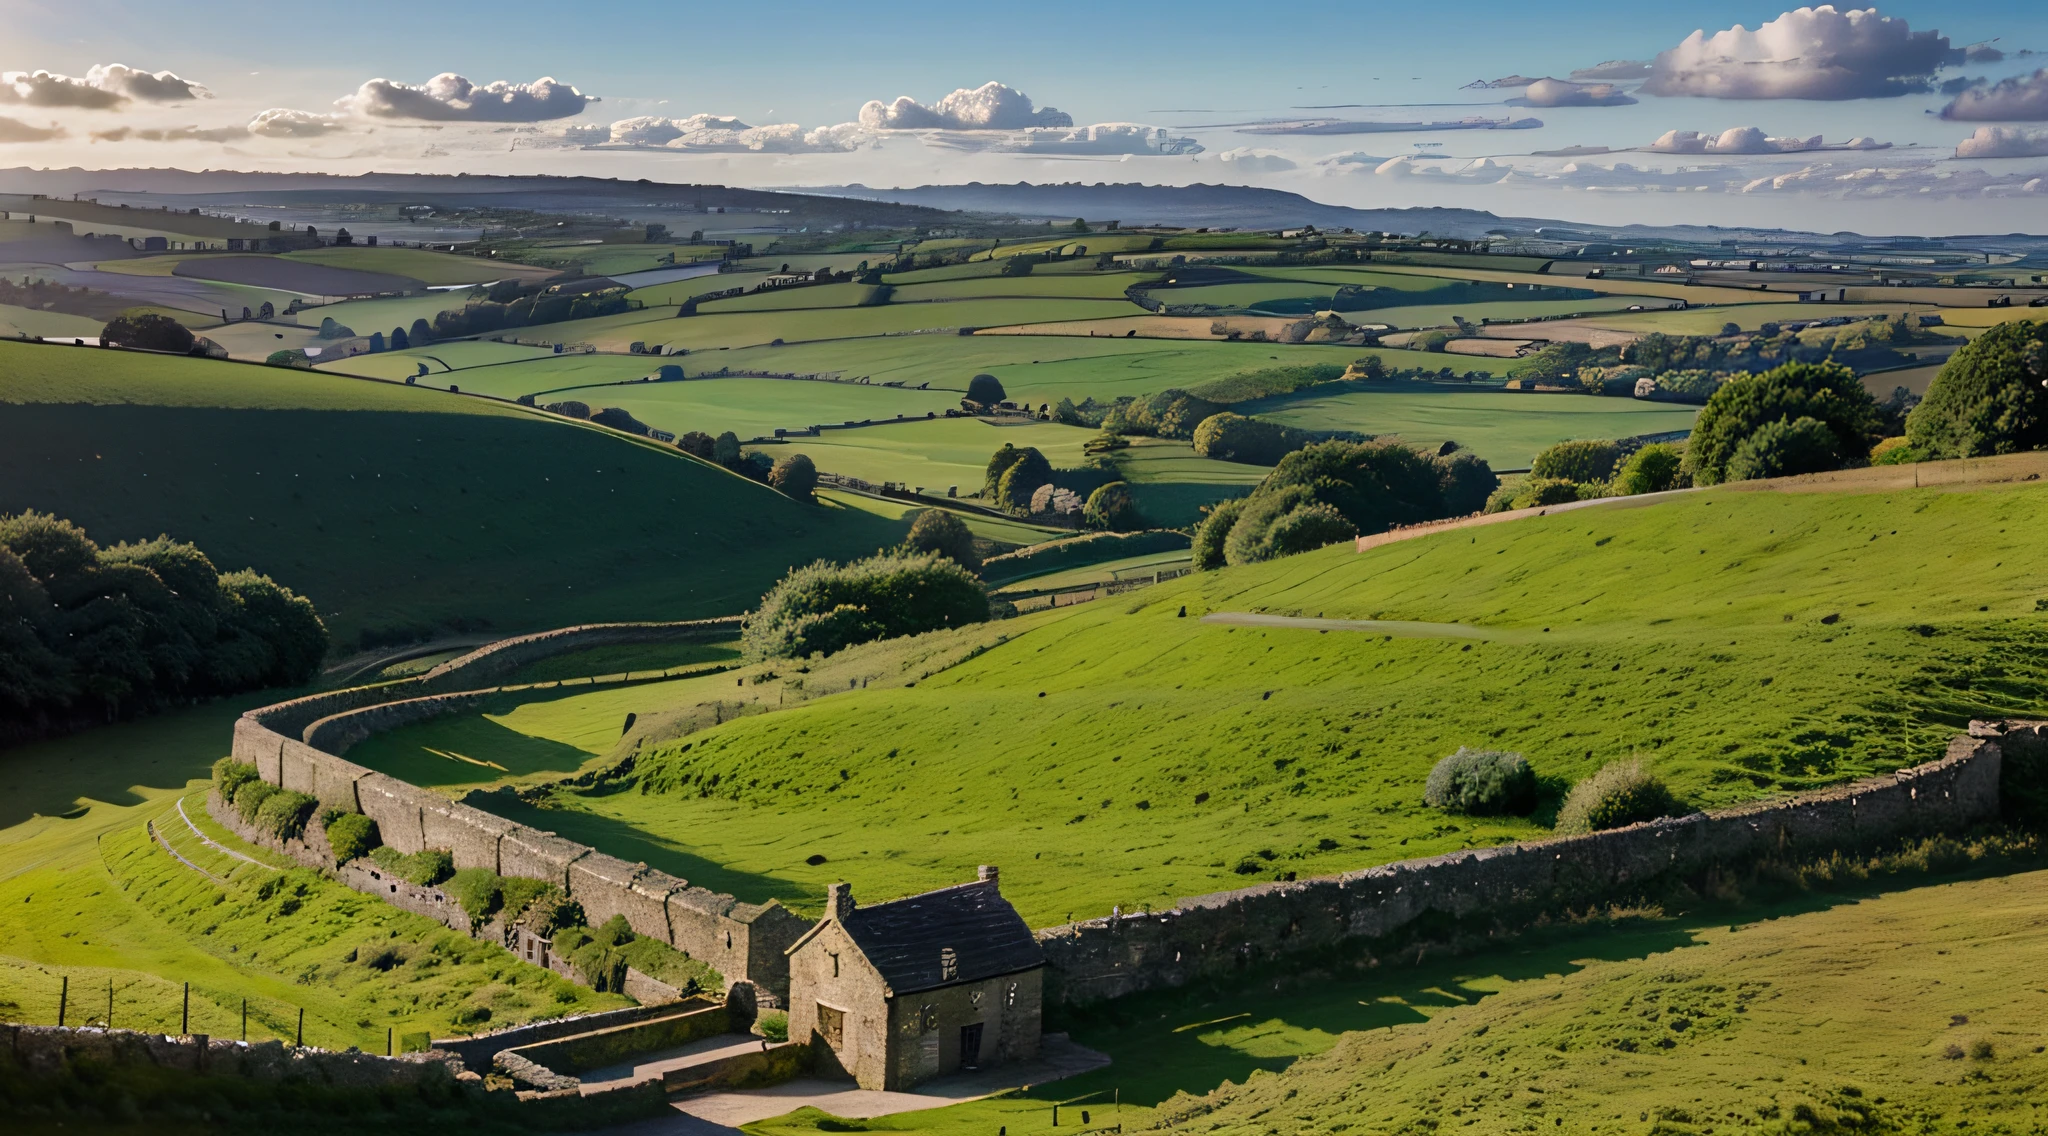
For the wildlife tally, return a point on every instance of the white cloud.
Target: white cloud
(43, 89)
(1249, 161)
(709, 133)
(2004, 142)
(449, 97)
(1558, 93)
(1626, 70)
(15, 130)
(991, 106)
(1750, 140)
(1808, 53)
(171, 134)
(150, 87)
(2022, 98)
(1982, 53)
(1112, 139)
(279, 122)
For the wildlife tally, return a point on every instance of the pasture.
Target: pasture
(757, 407)
(746, 329)
(434, 268)
(1506, 428)
(934, 453)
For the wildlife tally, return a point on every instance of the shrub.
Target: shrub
(1213, 531)
(941, 532)
(618, 418)
(1430, 341)
(595, 953)
(1113, 508)
(1893, 451)
(1828, 393)
(286, 358)
(773, 1024)
(1280, 524)
(518, 894)
(824, 606)
(147, 331)
(283, 814)
(1540, 492)
(230, 775)
(1172, 413)
(1620, 794)
(796, 477)
(986, 390)
(1368, 486)
(725, 449)
(479, 892)
(350, 836)
(1783, 449)
(1577, 461)
(1251, 441)
(1020, 478)
(424, 868)
(250, 797)
(1988, 398)
(663, 963)
(1482, 782)
(696, 442)
(1652, 469)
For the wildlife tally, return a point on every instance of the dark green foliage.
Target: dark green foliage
(425, 868)
(999, 463)
(1235, 438)
(774, 1025)
(825, 606)
(284, 814)
(595, 953)
(726, 450)
(250, 796)
(1465, 481)
(795, 477)
(1988, 398)
(986, 390)
(2023, 778)
(1620, 794)
(479, 891)
(350, 836)
(941, 532)
(697, 443)
(1783, 449)
(1558, 363)
(569, 408)
(230, 775)
(1652, 469)
(149, 332)
(421, 334)
(1482, 782)
(1270, 381)
(619, 419)
(663, 963)
(1214, 530)
(1112, 508)
(1283, 522)
(1330, 491)
(1828, 393)
(1168, 414)
(399, 339)
(1589, 460)
(288, 358)
(1021, 477)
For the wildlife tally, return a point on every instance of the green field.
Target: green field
(366, 316)
(1505, 428)
(393, 506)
(1441, 315)
(1748, 317)
(1074, 754)
(934, 453)
(459, 354)
(746, 329)
(791, 299)
(432, 268)
(1104, 286)
(18, 321)
(1003, 531)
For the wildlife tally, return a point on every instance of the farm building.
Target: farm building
(908, 990)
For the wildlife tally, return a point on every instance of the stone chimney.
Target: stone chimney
(987, 874)
(839, 902)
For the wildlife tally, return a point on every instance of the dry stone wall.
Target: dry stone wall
(1214, 935)
(496, 660)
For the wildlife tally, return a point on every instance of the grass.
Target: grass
(756, 407)
(746, 329)
(1102, 286)
(18, 321)
(625, 659)
(366, 316)
(1748, 317)
(999, 530)
(1130, 567)
(1506, 429)
(934, 453)
(394, 507)
(1117, 753)
(433, 268)
(462, 354)
(789, 299)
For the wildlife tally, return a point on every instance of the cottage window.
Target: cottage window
(831, 1025)
(835, 962)
(949, 965)
(1010, 995)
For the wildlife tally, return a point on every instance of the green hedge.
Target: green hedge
(250, 797)
(230, 775)
(663, 963)
(1079, 552)
(425, 868)
(351, 836)
(284, 813)
(483, 893)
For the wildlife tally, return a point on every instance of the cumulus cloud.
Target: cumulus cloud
(171, 134)
(279, 122)
(1982, 53)
(718, 134)
(1808, 53)
(149, 86)
(1109, 139)
(43, 89)
(15, 130)
(991, 106)
(1750, 140)
(1558, 93)
(449, 97)
(1247, 160)
(2004, 142)
(2022, 98)
(1621, 70)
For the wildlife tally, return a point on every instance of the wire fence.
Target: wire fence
(93, 998)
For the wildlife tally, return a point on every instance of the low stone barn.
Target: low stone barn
(905, 991)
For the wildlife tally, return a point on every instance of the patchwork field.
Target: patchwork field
(1505, 428)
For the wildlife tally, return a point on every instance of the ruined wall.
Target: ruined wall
(337, 732)
(496, 660)
(1213, 935)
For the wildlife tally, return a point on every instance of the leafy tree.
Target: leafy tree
(824, 607)
(1282, 523)
(399, 340)
(330, 328)
(1784, 449)
(289, 357)
(342, 237)
(1252, 441)
(1482, 782)
(1066, 413)
(148, 331)
(699, 443)
(986, 390)
(266, 311)
(1828, 393)
(1554, 364)
(1651, 469)
(422, 333)
(1029, 471)
(1112, 508)
(941, 532)
(1213, 531)
(795, 476)
(376, 342)
(1577, 461)
(726, 450)
(1465, 481)
(1171, 413)
(1079, 225)
(1989, 398)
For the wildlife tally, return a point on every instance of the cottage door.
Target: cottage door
(970, 1046)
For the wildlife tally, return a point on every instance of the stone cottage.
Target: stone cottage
(908, 990)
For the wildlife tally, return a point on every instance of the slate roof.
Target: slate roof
(904, 938)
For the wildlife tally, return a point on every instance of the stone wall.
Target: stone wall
(1214, 935)
(496, 660)
(579, 1053)
(48, 1051)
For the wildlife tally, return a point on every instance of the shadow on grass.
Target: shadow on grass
(432, 754)
(109, 763)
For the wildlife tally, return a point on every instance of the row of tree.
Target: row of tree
(1333, 491)
(91, 634)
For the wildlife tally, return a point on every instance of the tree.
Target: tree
(941, 532)
(1581, 461)
(999, 463)
(422, 333)
(147, 331)
(266, 311)
(1213, 531)
(1989, 398)
(726, 450)
(1828, 393)
(1652, 469)
(1024, 476)
(1112, 508)
(1079, 225)
(1784, 449)
(1282, 523)
(697, 442)
(824, 607)
(986, 390)
(341, 237)
(330, 328)
(399, 340)
(376, 342)
(795, 477)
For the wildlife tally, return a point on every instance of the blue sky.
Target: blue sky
(1184, 67)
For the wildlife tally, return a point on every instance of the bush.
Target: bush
(1112, 508)
(250, 797)
(1367, 486)
(351, 836)
(986, 390)
(1283, 523)
(825, 606)
(725, 449)
(1988, 398)
(663, 963)
(1213, 531)
(479, 892)
(424, 868)
(286, 358)
(230, 775)
(773, 1025)
(618, 418)
(283, 814)
(1619, 795)
(1577, 461)
(1784, 449)
(1827, 393)
(1482, 782)
(1652, 469)
(148, 331)
(1251, 441)
(1021, 477)
(1542, 492)
(938, 531)
(595, 953)
(795, 477)
(1171, 413)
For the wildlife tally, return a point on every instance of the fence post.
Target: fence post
(245, 1019)
(301, 1042)
(185, 1014)
(63, 999)
(110, 1005)
(388, 1030)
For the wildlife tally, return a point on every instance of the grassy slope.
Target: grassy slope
(746, 329)
(392, 505)
(1688, 631)
(1506, 429)
(934, 453)
(435, 268)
